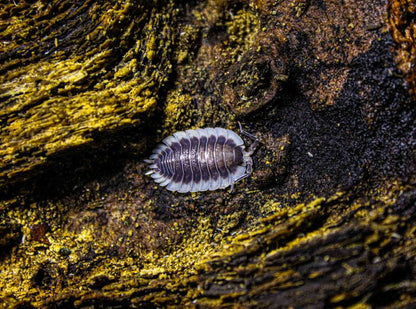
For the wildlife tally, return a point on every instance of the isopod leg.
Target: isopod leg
(254, 145)
(242, 176)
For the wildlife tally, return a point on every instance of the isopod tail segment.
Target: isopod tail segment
(248, 161)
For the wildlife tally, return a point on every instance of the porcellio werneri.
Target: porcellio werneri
(201, 160)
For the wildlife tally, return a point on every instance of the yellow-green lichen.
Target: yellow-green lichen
(55, 104)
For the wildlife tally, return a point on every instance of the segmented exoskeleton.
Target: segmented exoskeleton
(201, 159)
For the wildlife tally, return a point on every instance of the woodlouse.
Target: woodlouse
(202, 159)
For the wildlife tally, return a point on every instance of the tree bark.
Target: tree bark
(88, 89)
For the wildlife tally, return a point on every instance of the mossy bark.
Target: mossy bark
(327, 218)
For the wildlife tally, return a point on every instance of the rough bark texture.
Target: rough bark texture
(87, 89)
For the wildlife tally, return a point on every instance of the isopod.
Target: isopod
(201, 160)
